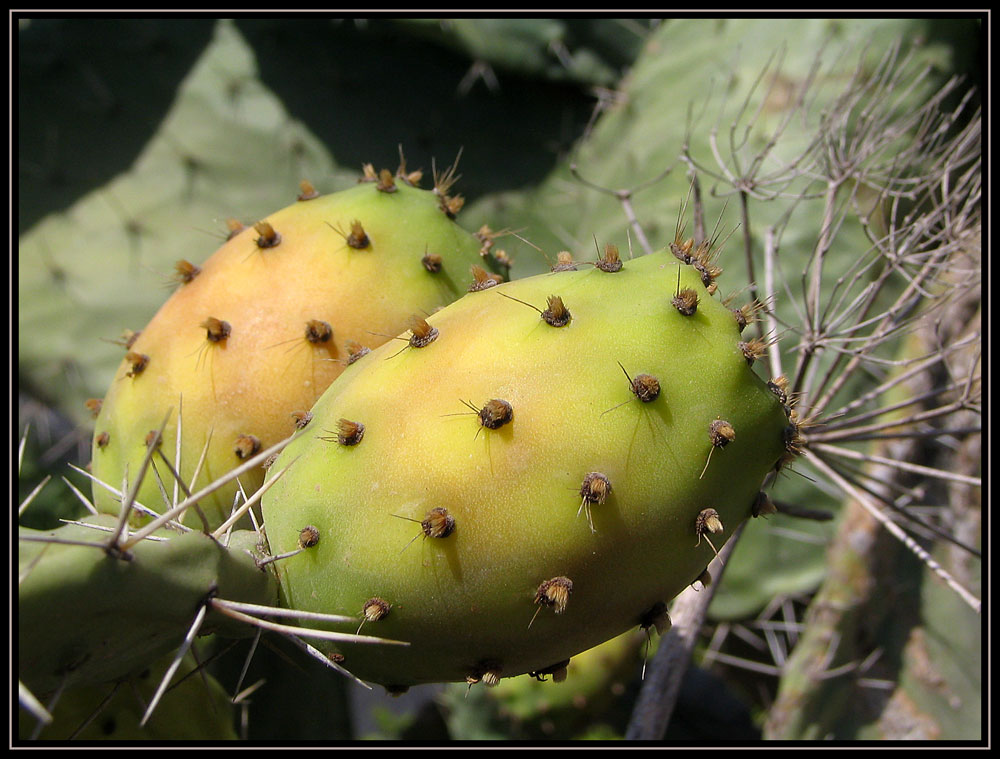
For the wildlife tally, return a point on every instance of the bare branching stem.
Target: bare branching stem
(624, 197)
(865, 500)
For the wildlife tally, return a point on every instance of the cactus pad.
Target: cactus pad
(86, 616)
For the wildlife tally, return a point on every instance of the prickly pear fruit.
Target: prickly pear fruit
(252, 336)
(546, 440)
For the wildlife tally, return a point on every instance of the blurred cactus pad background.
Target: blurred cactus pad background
(832, 167)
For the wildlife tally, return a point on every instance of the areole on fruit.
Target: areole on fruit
(473, 605)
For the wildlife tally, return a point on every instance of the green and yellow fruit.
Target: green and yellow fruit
(529, 472)
(251, 337)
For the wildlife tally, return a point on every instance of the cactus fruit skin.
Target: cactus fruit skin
(86, 617)
(482, 602)
(253, 335)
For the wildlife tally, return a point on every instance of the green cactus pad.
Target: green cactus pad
(252, 336)
(196, 708)
(577, 492)
(87, 617)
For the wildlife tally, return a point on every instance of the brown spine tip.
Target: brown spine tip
(646, 387)
(707, 521)
(438, 523)
(138, 361)
(611, 261)
(102, 440)
(386, 183)
(741, 319)
(495, 414)
(432, 262)
(451, 205)
(246, 446)
(375, 609)
(779, 386)
(356, 350)
(318, 332)
(708, 272)
(794, 442)
(302, 418)
(444, 180)
(482, 279)
(185, 271)
(686, 301)
(596, 488)
(762, 506)
(308, 536)
(682, 250)
(555, 593)
(307, 191)
(423, 334)
(348, 432)
(235, 226)
(656, 616)
(368, 173)
(216, 329)
(358, 238)
(752, 349)
(488, 672)
(556, 314)
(94, 406)
(721, 433)
(564, 262)
(269, 238)
(558, 672)
(747, 314)
(411, 178)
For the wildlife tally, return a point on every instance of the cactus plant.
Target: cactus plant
(879, 240)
